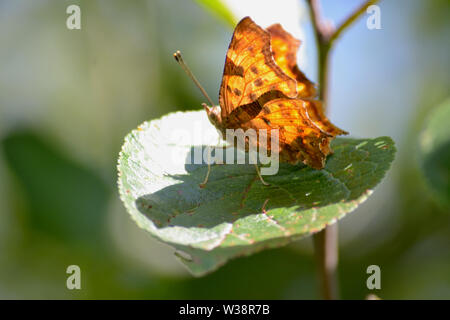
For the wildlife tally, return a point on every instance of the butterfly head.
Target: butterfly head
(213, 115)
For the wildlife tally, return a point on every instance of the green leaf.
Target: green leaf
(226, 219)
(220, 10)
(65, 200)
(435, 152)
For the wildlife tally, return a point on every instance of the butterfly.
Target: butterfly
(263, 88)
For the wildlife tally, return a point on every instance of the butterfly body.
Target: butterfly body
(263, 88)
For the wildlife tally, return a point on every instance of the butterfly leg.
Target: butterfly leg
(260, 176)
(203, 184)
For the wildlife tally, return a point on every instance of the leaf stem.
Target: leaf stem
(326, 241)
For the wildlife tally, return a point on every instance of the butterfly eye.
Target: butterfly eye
(213, 114)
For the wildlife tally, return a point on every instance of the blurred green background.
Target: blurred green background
(68, 97)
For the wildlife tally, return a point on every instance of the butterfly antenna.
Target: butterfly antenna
(179, 58)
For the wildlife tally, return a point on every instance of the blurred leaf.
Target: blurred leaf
(65, 200)
(226, 219)
(433, 16)
(292, 276)
(220, 10)
(435, 151)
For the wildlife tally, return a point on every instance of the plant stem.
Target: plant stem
(326, 249)
(323, 73)
(326, 35)
(350, 19)
(326, 241)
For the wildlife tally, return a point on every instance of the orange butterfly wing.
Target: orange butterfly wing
(315, 113)
(302, 138)
(251, 75)
(284, 50)
(261, 89)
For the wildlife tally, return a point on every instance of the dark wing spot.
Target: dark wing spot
(237, 91)
(228, 88)
(242, 114)
(254, 70)
(258, 82)
(253, 96)
(232, 70)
